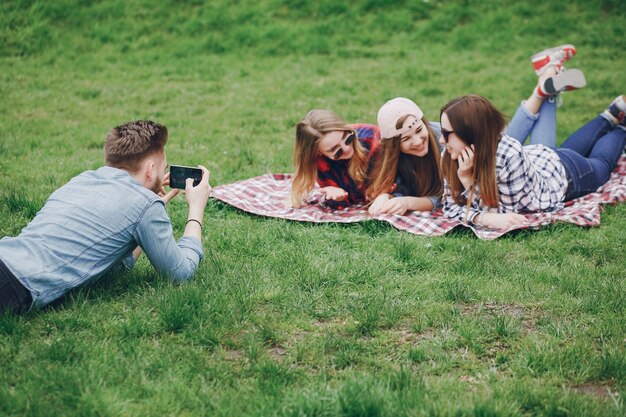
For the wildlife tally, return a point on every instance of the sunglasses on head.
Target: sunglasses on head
(446, 133)
(348, 141)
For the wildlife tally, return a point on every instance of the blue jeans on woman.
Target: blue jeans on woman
(589, 155)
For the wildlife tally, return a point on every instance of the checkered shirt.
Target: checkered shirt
(332, 173)
(530, 179)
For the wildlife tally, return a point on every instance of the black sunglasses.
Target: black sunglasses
(348, 141)
(445, 133)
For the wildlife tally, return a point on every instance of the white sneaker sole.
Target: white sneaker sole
(566, 80)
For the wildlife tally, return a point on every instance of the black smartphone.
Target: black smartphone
(179, 174)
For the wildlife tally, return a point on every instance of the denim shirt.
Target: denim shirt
(90, 226)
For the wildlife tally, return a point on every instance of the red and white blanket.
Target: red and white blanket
(266, 196)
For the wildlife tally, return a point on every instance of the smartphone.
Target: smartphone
(179, 173)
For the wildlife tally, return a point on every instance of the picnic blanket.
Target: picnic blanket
(266, 195)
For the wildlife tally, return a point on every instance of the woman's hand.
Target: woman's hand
(334, 193)
(466, 166)
(386, 204)
(378, 204)
(503, 221)
(398, 205)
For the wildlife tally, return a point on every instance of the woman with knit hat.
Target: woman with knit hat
(406, 175)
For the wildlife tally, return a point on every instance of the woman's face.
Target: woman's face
(415, 140)
(454, 145)
(337, 144)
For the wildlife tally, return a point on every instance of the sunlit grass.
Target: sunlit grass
(295, 319)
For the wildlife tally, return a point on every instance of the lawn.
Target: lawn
(295, 319)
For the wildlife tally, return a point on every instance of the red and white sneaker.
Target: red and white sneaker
(565, 80)
(556, 56)
(618, 109)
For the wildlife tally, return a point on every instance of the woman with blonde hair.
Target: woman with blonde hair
(406, 174)
(333, 154)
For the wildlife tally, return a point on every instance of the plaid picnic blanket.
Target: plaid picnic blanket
(266, 195)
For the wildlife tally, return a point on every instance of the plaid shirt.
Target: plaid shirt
(530, 179)
(332, 173)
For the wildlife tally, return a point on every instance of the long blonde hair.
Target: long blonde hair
(421, 174)
(476, 122)
(309, 132)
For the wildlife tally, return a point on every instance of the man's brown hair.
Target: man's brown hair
(128, 144)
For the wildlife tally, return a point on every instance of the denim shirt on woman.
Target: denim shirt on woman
(90, 226)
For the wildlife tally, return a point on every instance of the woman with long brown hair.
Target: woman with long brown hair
(406, 175)
(333, 154)
(490, 178)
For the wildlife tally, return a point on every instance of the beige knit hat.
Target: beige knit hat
(393, 110)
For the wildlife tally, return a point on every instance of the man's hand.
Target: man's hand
(167, 196)
(502, 221)
(334, 193)
(466, 166)
(378, 204)
(198, 196)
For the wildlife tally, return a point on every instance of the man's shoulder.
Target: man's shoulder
(106, 187)
(109, 176)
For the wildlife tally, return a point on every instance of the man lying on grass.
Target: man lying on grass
(101, 221)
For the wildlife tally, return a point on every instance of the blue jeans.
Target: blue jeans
(541, 126)
(13, 296)
(589, 155)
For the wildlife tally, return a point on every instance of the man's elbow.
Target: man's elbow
(184, 273)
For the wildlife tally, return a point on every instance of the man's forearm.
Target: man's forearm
(193, 228)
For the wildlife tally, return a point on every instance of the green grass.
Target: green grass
(293, 319)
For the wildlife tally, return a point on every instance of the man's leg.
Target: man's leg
(13, 296)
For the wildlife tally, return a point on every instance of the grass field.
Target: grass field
(293, 319)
